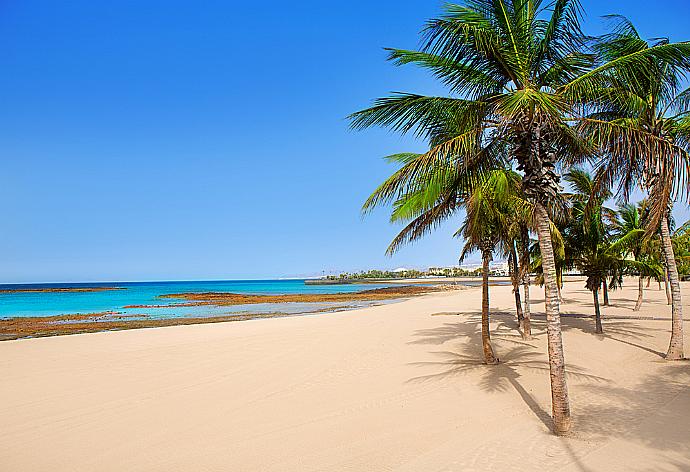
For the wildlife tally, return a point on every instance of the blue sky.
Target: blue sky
(149, 140)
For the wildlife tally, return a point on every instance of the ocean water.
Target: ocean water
(24, 304)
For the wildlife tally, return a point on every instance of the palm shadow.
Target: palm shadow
(604, 410)
(620, 412)
(616, 327)
(520, 356)
(621, 329)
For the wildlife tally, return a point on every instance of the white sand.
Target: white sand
(385, 388)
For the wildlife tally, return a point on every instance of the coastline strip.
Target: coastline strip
(60, 289)
(41, 326)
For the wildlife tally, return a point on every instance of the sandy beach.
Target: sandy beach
(393, 387)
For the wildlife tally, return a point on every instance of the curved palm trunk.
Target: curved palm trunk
(605, 288)
(526, 322)
(640, 293)
(489, 356)
(560, 405)
(675, 348)
(666, 286)
(515, 279)
(597, 312)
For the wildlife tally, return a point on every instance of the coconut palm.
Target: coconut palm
(515, 240)
(642, 122)
(598, 260)
(495, 210)
(490, 200)
(681, 249)
(592, 247)
(629, 224)
(515, 70)
(485, 222)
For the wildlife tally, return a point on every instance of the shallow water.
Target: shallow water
(146, 293)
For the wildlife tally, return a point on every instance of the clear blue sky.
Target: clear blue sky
(146, 140)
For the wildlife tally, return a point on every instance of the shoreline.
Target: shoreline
(14, 328)
(65, 325)
(60, 289)
(228, 298)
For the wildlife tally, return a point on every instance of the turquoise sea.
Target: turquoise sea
(23, 304)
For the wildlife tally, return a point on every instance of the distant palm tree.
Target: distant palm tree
(592, 248)
(519, 75)
(515, 244)
(629, 224)
(642, 121)
(681, 249)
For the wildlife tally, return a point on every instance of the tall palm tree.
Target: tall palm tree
(643, 124)
(516, 72)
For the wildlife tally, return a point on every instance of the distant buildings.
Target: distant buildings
(496, 269)
(499, 268)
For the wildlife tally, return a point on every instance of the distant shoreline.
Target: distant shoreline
(422, 280)
(60, 289)
(405, 281)
(58, 325)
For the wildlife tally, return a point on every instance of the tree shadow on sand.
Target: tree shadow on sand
(621, 329)
(617, 327)
(643, 412)
(521, 355)
(604, 409)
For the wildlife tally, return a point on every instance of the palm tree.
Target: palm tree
(516, 72)
(642, 122)
(482, 229)
(601, 259)
(681, 249)
(592, 248)
(515, 239)
(629, 224)
(490, 201)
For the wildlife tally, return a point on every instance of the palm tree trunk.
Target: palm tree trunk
(605, 287)
(597, 312)
(640, 293)
(560, 405)
(515, 279)
(526, 319)
(666, 286)
(526, 322)
(675, 348)
(489, 357)
(559, 284)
